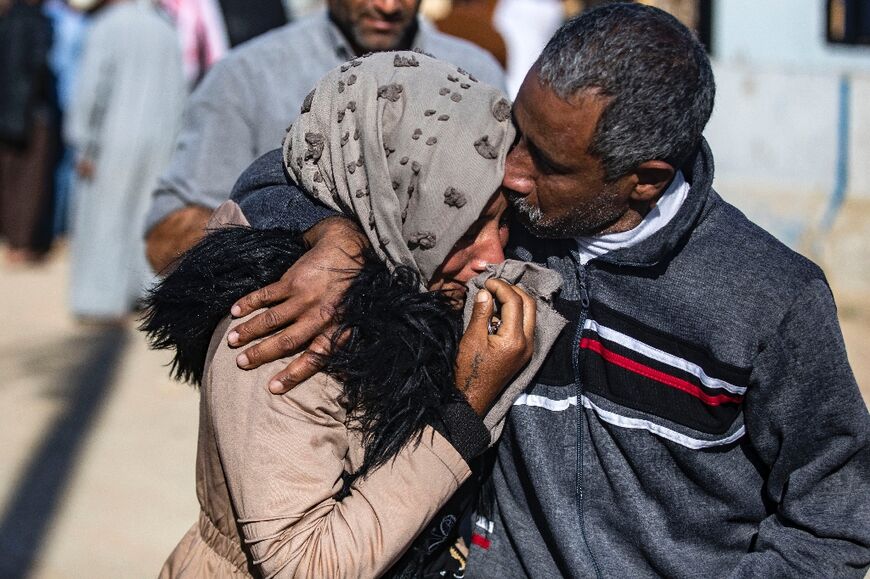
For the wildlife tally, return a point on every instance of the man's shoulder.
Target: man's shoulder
(756, 249)
(464, 54)
(277, 46)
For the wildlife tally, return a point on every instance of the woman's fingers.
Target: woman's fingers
(529, 317)
(511, 308)
(481, 313)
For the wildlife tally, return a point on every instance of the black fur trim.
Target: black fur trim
(396, 364)
(183, 310)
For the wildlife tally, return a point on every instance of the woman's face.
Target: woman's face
(483, 243)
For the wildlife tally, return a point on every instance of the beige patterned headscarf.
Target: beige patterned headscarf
(412, 146)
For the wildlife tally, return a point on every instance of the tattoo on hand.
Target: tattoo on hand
(475, 371)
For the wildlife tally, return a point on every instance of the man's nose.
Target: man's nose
(519, 171)
(487, 250)
(387, 6)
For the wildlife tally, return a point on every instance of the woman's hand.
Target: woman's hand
(487, 362)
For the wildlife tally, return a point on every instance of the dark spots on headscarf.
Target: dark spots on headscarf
(501, 110)
(431, 140)
(461, 70)
(452, 78)
(384, 243)
(472, 78)
(415, 167)
(287, 130)
(400, 61)
(315, 147)
(318, 178)
(345, 67)
(355, 62)
(341, 86)
(361, 193)
(396, 185)
(444, 117)
(411, 189)
(340, 116)
(419, 50)
(345, 138)
(351, 80)
(351, 168)
(315, 192)
(465, 85)
(299, 161)
(391, 92)
(430, 112)
(456, 97)
(360, 162)
(483, 147)
(403, 161)
(454, 198)
(404, 214)
(306, 104)
(356, 134)
(351, 106)
(422, 240)
(372, 220)
(444, 91)
(388, 150)
(417, 134)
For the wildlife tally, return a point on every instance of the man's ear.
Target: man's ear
(652, 178)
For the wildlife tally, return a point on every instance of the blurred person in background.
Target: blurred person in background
(243, 105)
(122, 122)
(69, 27)
(28, 128)
(201, 32)
(526, 26)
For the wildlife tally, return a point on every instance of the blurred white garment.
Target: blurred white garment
(525, 26)
(201, 31)
(124, 117)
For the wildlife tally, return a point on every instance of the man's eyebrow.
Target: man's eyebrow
(534, 150)
(541, 156)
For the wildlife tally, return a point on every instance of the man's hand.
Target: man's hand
(488, 357)
(301, 305)
(175, 234)
(85, 169)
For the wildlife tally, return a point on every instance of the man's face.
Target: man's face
(555, 185)
(375, 25)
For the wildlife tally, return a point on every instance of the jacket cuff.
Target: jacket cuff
(464, 429)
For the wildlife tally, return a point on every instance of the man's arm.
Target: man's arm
(214, 146)
(807, 421)
(175, 234)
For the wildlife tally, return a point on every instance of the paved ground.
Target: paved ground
(97, 453)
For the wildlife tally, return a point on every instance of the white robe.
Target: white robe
(124, 116)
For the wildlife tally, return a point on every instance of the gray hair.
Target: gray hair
(655, 72)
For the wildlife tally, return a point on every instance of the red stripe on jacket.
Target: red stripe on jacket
(657, 375)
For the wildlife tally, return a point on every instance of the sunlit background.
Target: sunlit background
(97, 445)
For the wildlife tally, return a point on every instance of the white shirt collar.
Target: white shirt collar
(667, 206)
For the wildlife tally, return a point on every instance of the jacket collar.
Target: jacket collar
(698, 171)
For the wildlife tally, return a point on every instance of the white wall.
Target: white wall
(785, 33)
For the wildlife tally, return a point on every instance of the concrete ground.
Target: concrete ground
(98, 445)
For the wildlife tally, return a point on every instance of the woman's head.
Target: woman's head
(414, 148)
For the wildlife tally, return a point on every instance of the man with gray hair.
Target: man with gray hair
(698, 416)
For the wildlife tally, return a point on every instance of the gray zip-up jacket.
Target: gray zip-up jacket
(698, 418)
